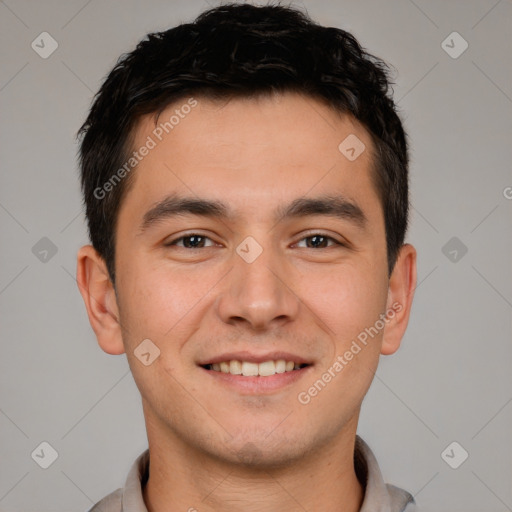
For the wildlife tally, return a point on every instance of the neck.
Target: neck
(183, 478)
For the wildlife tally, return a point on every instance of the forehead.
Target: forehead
(252, 122)
(282, 146)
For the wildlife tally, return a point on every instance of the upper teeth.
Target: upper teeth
(248, 369)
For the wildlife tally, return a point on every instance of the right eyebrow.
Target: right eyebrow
(173, 205)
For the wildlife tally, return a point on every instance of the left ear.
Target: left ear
(402, 284)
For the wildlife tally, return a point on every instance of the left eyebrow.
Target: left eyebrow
(333, 206)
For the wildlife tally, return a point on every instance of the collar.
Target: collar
(378, 496)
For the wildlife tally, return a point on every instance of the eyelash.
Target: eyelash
(312, 235)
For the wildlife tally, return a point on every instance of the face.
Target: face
(249, 242)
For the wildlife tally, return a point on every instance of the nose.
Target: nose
(258, 294)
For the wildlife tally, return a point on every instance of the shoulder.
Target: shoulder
(110, 503)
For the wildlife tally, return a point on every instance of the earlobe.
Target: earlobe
(402, 284)
(100, 299)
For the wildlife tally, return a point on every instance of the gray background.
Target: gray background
(450, 381)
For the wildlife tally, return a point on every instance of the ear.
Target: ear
(100, 299)
(402, 284)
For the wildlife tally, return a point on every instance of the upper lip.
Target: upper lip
(251, 357)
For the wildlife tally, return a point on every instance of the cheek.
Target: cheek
(160, 302)
(347, 300)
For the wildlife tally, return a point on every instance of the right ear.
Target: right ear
(100, 299)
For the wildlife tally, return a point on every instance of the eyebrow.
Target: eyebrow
(332, 206)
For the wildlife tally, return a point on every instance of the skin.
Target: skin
(214, 447)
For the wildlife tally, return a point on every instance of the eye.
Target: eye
(192, 241)
(319, 241)
(198, 241)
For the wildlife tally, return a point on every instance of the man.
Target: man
(246, 189)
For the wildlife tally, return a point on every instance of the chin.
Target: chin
(253, 455)
(258, 449)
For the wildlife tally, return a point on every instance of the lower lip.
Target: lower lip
(258, 385)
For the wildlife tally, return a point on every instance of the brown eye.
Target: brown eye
(193, 241)
(319, 241)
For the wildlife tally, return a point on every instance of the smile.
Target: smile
(250, 369)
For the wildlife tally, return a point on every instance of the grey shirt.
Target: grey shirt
(378, 496)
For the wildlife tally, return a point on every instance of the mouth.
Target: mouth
(247, 373)
(252, 369)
